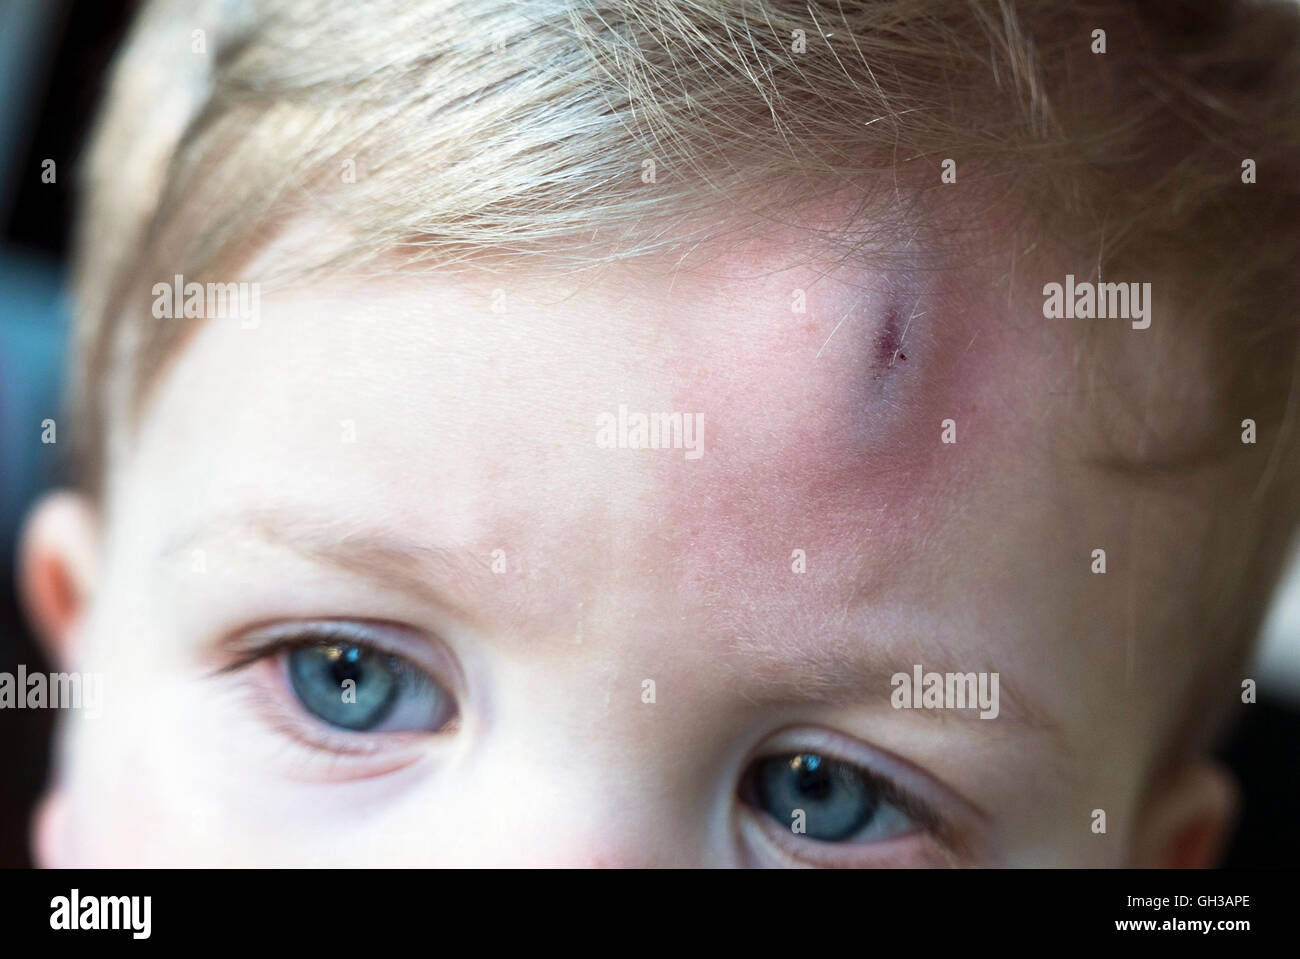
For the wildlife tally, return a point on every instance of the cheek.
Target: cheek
(115, 813)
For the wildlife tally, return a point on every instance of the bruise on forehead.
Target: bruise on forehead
(822, 428)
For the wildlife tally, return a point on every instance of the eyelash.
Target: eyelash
(282, 711)
(949, 843)
(259, 644)
(886, 790)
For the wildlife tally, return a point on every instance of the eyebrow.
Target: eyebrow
(433, 575)
(777, 664)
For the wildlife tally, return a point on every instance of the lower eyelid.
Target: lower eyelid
(267, 701)
(915, 849)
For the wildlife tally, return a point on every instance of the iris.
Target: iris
(347, 685)
(836, 798)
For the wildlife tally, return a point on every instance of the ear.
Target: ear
(1187, 818)
(57, 571)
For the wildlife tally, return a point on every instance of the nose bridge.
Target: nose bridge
(583, 771)
(563, 805)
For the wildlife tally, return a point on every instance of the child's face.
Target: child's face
(602, 645)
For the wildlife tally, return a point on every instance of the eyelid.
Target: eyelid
(423, 651)
(296, 745)
(256, 663)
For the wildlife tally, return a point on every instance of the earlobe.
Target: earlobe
(58, 559)
(48, 830)
(1187, 819)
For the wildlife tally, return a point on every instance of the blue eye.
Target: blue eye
(838, 801)
(363, 689)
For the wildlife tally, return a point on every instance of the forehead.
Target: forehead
(465, 416)
(812, 398)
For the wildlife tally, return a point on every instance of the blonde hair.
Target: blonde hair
(522, 131)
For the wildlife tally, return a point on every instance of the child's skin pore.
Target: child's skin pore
(361, 454)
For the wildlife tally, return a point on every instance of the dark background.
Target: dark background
(53, 57)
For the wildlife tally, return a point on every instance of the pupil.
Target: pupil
(347, 666)
(812, 778)
(838, 802)
(347, 685)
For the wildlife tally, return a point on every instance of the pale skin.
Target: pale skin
(360, 455)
